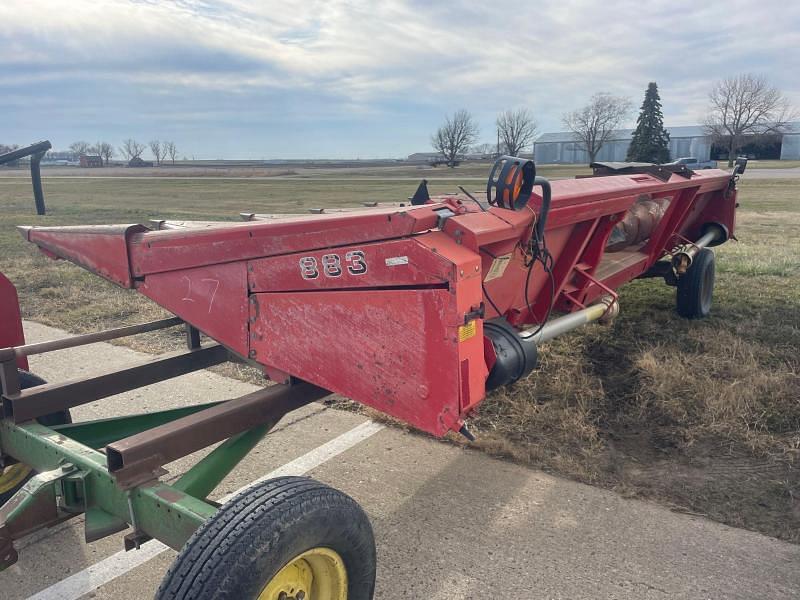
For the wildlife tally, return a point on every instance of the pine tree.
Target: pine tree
(650, 142)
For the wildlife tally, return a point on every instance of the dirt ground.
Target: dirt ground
(702, 416)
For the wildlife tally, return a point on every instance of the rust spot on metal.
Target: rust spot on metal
(170, 495)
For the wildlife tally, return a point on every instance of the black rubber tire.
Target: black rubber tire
(235, 553)
(29, 380)
(696, 287)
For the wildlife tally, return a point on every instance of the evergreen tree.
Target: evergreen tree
(650, 142)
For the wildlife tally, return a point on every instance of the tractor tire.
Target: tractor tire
(696, 287)
(13, 477)
(286, 538)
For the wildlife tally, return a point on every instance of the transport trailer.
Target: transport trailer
(416, 308)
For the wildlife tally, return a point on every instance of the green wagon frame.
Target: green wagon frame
(306, 541)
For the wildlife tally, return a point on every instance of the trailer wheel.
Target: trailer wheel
(289, 538)
(696, 287)
(13, 477)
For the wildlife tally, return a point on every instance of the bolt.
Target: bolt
(67, 467)
(252, 354)
(477, 268)
(300, 595)
(462, 272)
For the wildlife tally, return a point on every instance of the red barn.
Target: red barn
(91, 160)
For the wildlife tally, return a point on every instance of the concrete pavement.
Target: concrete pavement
(449, 523)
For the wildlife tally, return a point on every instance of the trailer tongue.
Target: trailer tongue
(415, 308)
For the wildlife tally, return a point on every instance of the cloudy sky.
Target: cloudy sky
(340, 79)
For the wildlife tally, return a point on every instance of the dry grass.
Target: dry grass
(703, 415)
(770, 164)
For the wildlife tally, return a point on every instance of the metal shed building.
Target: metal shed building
(684, 141)
(561, 147)
(790, 147)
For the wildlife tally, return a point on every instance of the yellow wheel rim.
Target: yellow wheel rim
(12, 476)
(317, 574)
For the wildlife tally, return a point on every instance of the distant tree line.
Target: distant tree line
(101, 149)
(740, 108)
(129, 150)
(516, 129)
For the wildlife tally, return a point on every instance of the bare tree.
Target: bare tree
(745, 105)
(594, 124)
(80, 147)
(104, 150)
(131, 149)
(455, 136)
(516, 128)
(484, 148)
(170, 150)
(155, 148)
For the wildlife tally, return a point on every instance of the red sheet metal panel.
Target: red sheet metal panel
(383, 264)
(102, 249)
(413, 352)
(467, 290)
(161, 251)
(396, 351)
(213, 299)
(11, 333)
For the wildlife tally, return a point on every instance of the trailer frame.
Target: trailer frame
(109, 469)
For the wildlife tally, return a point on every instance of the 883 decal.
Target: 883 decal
(333, 265)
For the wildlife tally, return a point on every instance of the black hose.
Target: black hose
(545, 209)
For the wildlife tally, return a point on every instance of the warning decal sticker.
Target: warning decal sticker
(498, 267)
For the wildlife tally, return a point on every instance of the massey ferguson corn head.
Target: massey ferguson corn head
(415, 308)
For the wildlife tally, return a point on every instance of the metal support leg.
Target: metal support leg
(201, 479)
(36, 179)
(192, 337)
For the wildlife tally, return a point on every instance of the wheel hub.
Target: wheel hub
(317, 574)
(12, 476)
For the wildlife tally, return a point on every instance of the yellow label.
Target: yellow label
(467, 331)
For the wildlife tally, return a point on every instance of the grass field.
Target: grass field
(703, 416)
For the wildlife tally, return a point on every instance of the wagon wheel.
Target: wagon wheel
(13, 477)
(696, 287)
(289, 538)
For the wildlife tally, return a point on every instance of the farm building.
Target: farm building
(691, 140)
(91, 160)
(790, 146)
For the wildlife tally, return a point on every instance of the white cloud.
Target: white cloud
(548, 55)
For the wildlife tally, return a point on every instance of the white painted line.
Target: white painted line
(108, 569)
(319, 455)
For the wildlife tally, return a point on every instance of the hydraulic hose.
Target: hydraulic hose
(546, 195)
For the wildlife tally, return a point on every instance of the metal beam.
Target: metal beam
(91, 338)
(135, 459)
(45, 399)
(101, 432)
